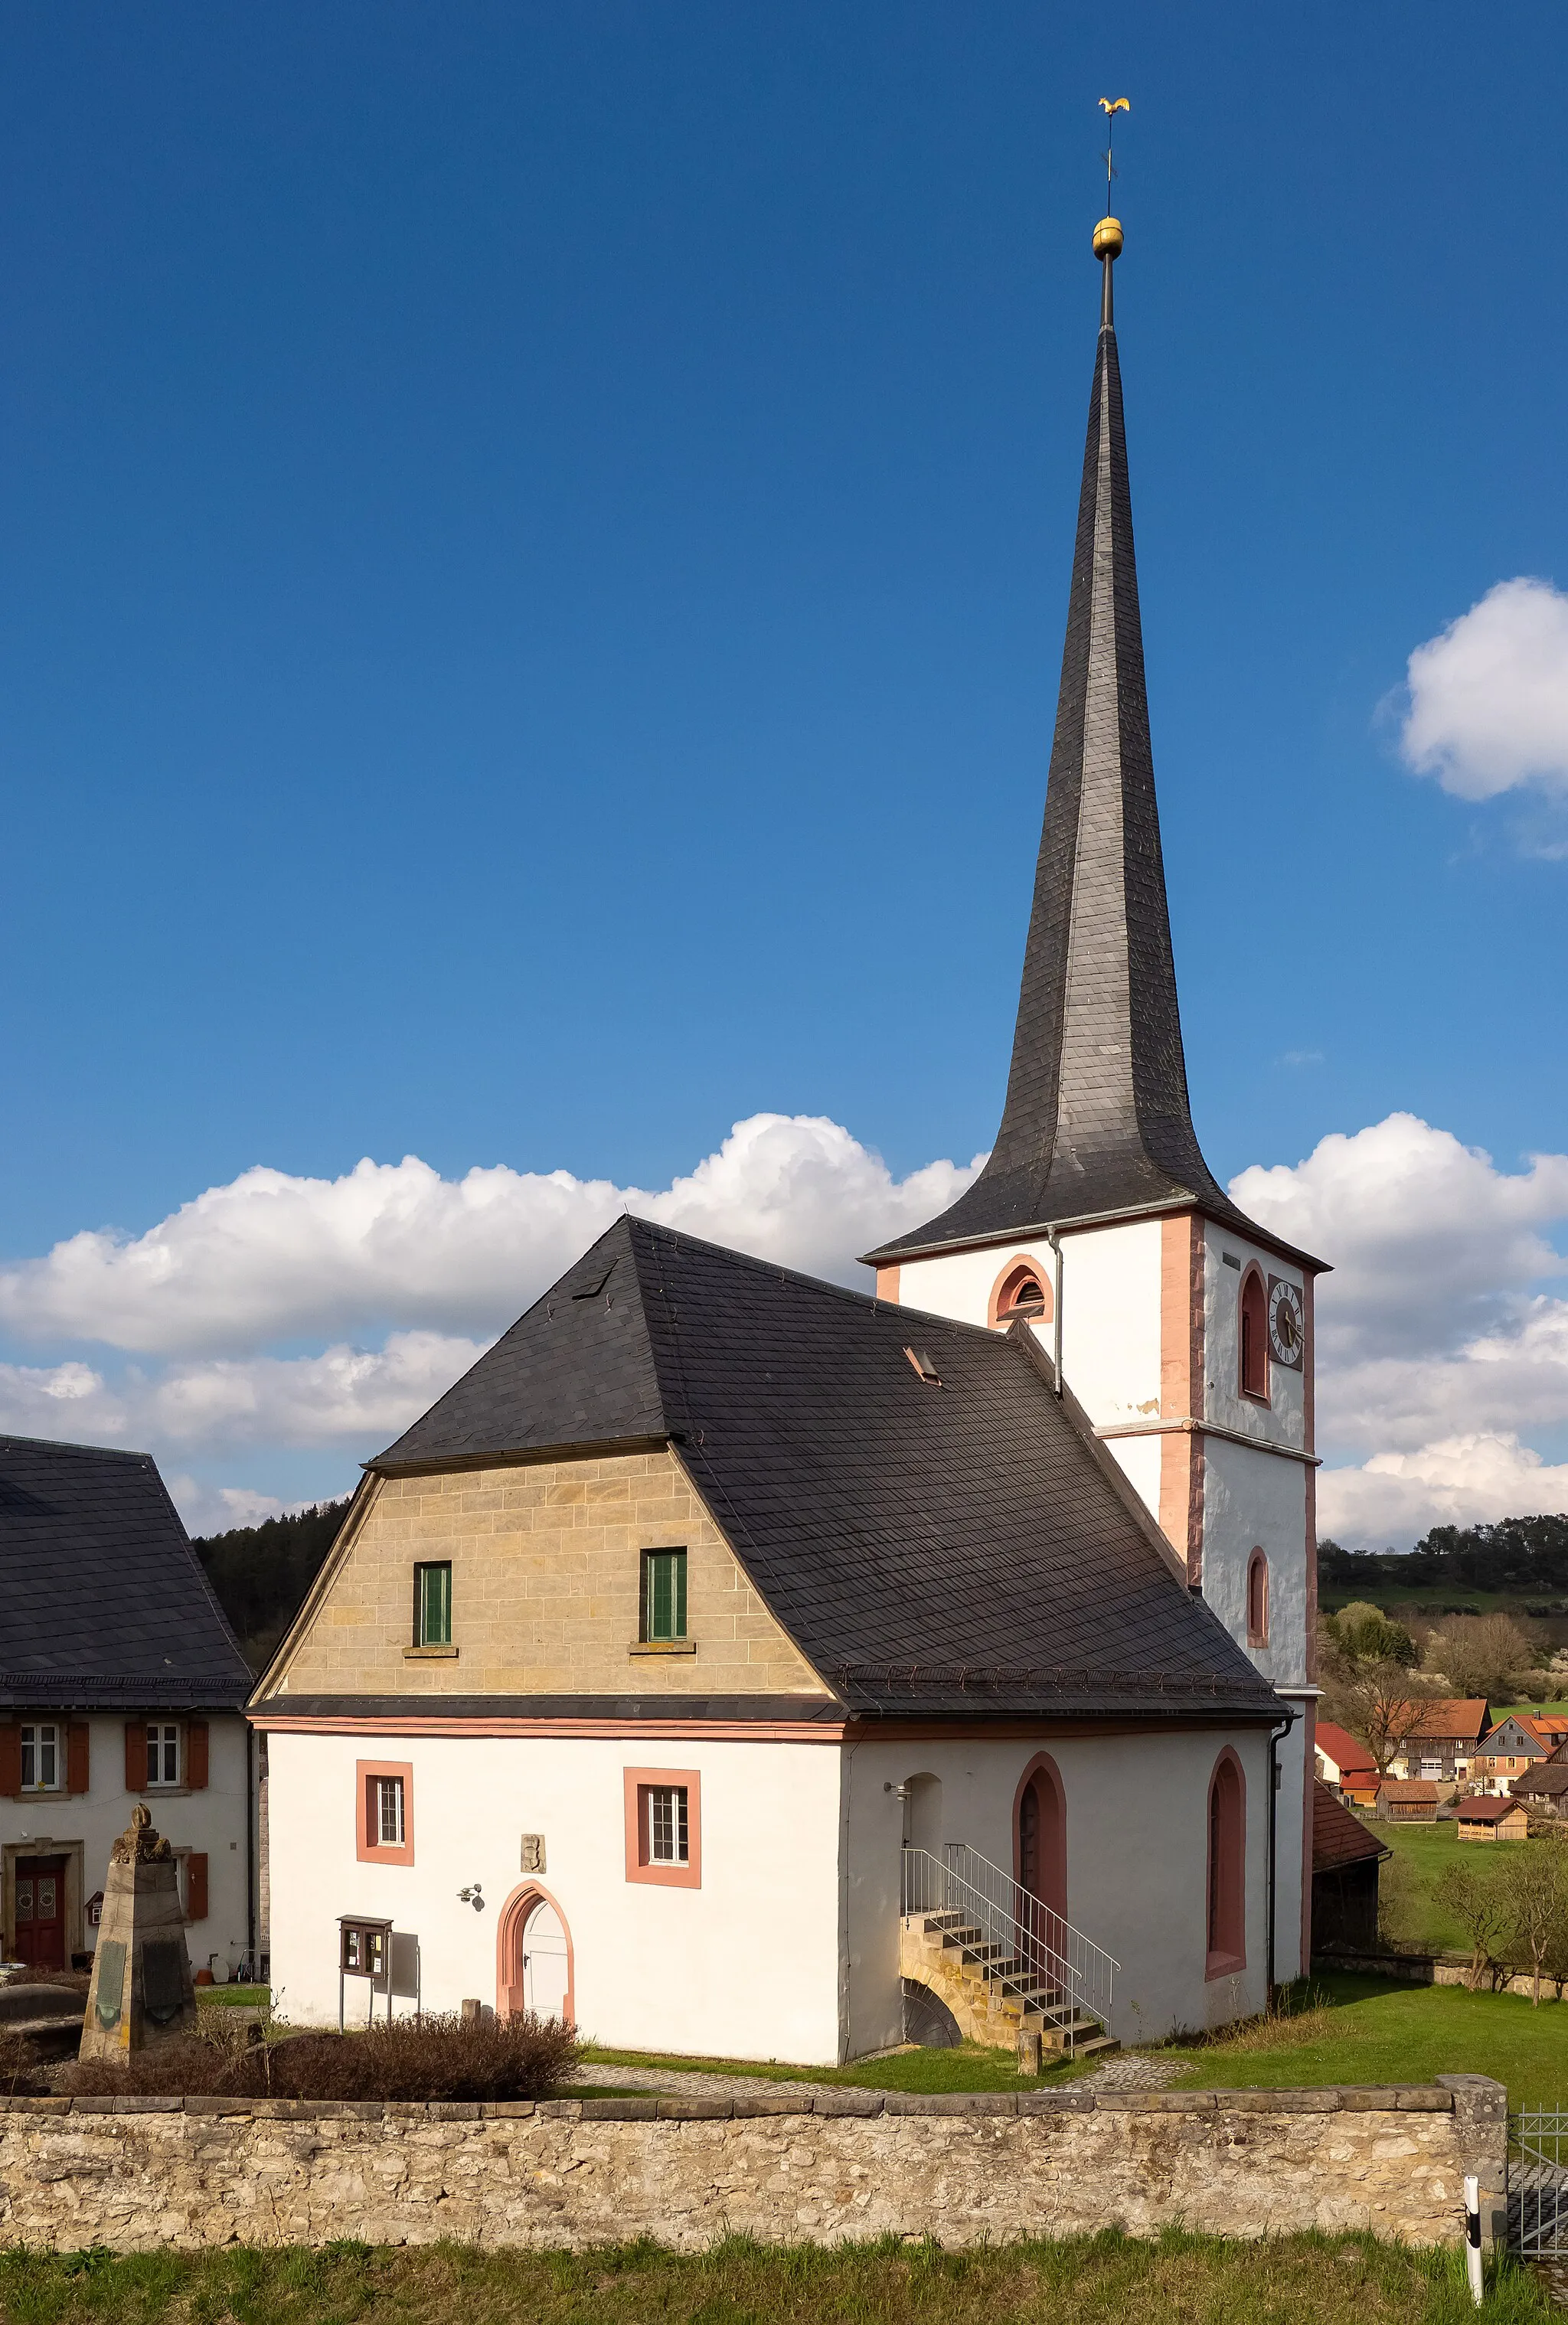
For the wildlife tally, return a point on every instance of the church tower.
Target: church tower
(1183, 1329)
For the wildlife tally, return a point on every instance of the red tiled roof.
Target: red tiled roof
(1414, 1794)
(1338, 1837)
(1349, 1756)
(1487, 1811)
(1460, 1716)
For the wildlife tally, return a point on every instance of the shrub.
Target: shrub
(441, 2057)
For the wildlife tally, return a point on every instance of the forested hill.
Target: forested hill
(261, 1572)
(1525, 1557)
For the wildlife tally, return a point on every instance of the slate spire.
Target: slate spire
(1097, 1119)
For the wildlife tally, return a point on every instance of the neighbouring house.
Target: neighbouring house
(1345, 1861)
(725, 1638)
(1412, 1801)
(1518, 1743)
(1544, 1789)
(1440, 1740)
(121, 1683)
(1484, 1816)
(1345, 1764)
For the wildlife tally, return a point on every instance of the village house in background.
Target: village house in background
(122, 1683)
(1516, 1745)
(1440, 1740)
(1412, 1801)
(1345, 1765)
(1544, 1788)
(1484, 1816)
(726, 1641)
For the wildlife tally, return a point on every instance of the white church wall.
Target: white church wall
(746, 1965)
(1292, 1812)
(1137, 1863)
(960, 1284)
(1283, 1420)
(1138, 1459)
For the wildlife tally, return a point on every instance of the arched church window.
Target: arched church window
(1021, 1291)
(1254, 1337)
(1257, 1600)
(1227, 1931)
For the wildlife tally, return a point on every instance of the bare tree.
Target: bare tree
(1484, 1913)
(1535, 1885)
(1378, 1702)
(1480, 1654)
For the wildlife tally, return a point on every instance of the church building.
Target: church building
(736, 1663)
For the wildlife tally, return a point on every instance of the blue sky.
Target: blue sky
(535, 543)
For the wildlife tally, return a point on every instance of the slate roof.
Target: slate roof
(1339, 1838)
(961, 1548)
(1548, 1782)
(1097, 1119)
(104, 1601)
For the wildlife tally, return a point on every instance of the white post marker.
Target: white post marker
(1472, 2245)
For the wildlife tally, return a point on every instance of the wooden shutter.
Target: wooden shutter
(196, 1757)
(78, 1775)
(135, 1756)
(196, 1884)
(9, 1760)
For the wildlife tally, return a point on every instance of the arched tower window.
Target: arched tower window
(1254, 1337)
(1257, 1600)
(1227, 1916)
(1021, 1291)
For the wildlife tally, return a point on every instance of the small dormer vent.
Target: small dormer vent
(925, 1364)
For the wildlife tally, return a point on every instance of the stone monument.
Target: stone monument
(141, 1990)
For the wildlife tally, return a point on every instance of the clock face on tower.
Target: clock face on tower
(1286, 1322)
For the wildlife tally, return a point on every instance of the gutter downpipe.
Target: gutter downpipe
(1276, 1736)
(1053, 1239)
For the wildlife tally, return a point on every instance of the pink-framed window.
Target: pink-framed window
(384, 1814)
(1022, 1292)
(663, 1814)
(1257, 1600)
(1227, 1869)
(1253, 1333)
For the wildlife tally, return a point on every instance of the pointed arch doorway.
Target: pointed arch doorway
(533, 1956)
(1039, 1836)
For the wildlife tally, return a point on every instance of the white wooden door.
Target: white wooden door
(544, 1964)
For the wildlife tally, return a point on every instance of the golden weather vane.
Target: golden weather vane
(1111, 106)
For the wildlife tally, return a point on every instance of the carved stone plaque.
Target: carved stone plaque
(533, 1852)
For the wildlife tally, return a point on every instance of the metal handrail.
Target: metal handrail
(1056, 1968)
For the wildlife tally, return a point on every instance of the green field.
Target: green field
(1413, 1913)
(1183, 2280)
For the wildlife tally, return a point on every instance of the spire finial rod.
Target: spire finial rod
(1107, 235)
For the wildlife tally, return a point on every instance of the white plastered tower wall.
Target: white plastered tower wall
(1148, 1315)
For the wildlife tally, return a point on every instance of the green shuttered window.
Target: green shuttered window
(664, 1594)
(433, 1605)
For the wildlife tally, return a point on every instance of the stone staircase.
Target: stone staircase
(995, 1996)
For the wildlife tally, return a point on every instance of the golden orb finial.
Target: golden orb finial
(1107, 238)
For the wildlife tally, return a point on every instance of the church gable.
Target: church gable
(545, 1594)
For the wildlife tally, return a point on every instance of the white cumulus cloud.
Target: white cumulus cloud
(1488, 698)
(273, 1257)
(1391, 1500)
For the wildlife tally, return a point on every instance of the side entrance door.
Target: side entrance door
(40, 1912)
(544, 1964)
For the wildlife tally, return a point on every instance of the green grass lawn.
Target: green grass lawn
(1412, 1909)
(1369, 2030)
(1183, 2280)
(969, 2068)
(1343, 2030)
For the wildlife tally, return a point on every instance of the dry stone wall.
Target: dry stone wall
(806, 2164)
